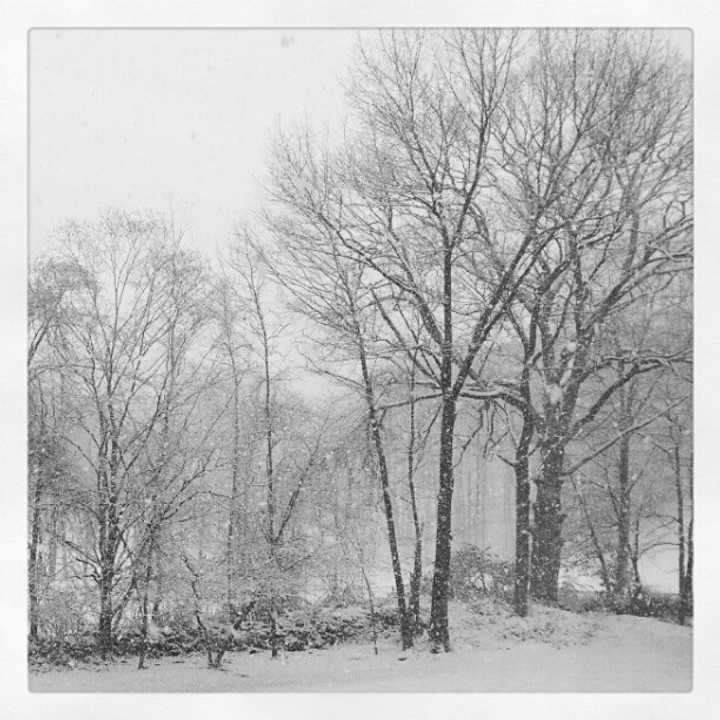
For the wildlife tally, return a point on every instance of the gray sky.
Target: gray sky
(173, 121)
(176, 121)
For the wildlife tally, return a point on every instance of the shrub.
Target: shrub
(639, 600)
(62, 616)
(476, 573)
(659, 605)
(309, 627)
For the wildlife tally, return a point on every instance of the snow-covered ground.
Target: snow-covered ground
(552, 650)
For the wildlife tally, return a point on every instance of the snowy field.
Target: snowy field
(551, 651)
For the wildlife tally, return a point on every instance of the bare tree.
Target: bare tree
(47, 462)
(279, 512)
(620, 489)
(612, 149)
(329, 289)
(672, 443)
(410, 200)
(132, 314)
(233, 350)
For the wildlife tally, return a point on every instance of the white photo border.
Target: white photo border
(18, 18)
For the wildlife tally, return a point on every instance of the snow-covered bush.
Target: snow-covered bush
(475, 573)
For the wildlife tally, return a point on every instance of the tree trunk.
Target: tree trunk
(55, 531)
(273, 628)
(234, 488)
(415, 582)
(405, 625)
(33, 584)
(108, 538)
(484, 535)
(604, 573)
(547, 535)
(522, 505)
(508, 523)
(155, 609)
(269, 467)
(690, 543)
(371, 604)
(687, 599)
(416, 578)
(635, 552)
(145, 613)
(439, 631)
(623, 529)
(680, 533)
(522, 534)
(104, 638)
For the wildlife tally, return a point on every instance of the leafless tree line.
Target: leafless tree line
(500, 243)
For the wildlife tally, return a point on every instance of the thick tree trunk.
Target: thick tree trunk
(547, 535)
(439, 631)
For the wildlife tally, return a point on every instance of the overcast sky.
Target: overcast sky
(173, 121)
